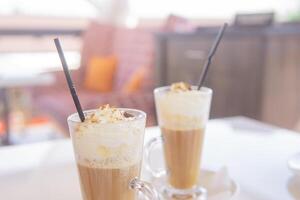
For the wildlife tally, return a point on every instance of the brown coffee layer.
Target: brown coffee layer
(108, 184)
(182, 150)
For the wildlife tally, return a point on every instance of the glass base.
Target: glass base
(195, 193)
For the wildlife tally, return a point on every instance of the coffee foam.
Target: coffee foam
(183, 110)
(106, 114)
(108, 145)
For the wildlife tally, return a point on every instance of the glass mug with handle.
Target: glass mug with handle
(108, 148)
(182, 115)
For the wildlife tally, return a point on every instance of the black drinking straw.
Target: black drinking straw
(211, 54)
(69, 80)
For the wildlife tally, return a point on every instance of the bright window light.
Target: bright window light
(211, 8)
(131, 22)
(59, 8)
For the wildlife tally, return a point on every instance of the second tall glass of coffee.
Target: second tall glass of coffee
(182, 113)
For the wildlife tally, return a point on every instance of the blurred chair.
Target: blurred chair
(254, 19)
(133, 49)
(175, 23)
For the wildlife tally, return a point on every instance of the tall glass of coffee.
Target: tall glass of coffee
(182, 113)
(108, 148)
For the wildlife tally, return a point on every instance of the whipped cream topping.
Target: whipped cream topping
(180, 87)
(183, 107)
(106, 114)
(108, 138)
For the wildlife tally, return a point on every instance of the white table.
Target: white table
(254, 153)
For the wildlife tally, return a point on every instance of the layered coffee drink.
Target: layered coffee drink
(108, 149)
(182, 150)
(182, 114)
(114, 181)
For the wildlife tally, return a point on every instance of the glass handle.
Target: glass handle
(149, 148)
(144, 187)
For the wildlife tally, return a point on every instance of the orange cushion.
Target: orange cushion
(100, 73)
(135, 82)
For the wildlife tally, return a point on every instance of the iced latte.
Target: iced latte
(108, 149)
(182, 113)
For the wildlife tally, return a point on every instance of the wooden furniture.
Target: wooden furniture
(133, 49)
(254, 73)
(281, 99)
(254, 153)
(235, 73)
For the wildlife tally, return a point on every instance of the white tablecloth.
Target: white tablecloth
(254, 153)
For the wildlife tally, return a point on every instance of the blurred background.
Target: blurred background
(119, 50)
